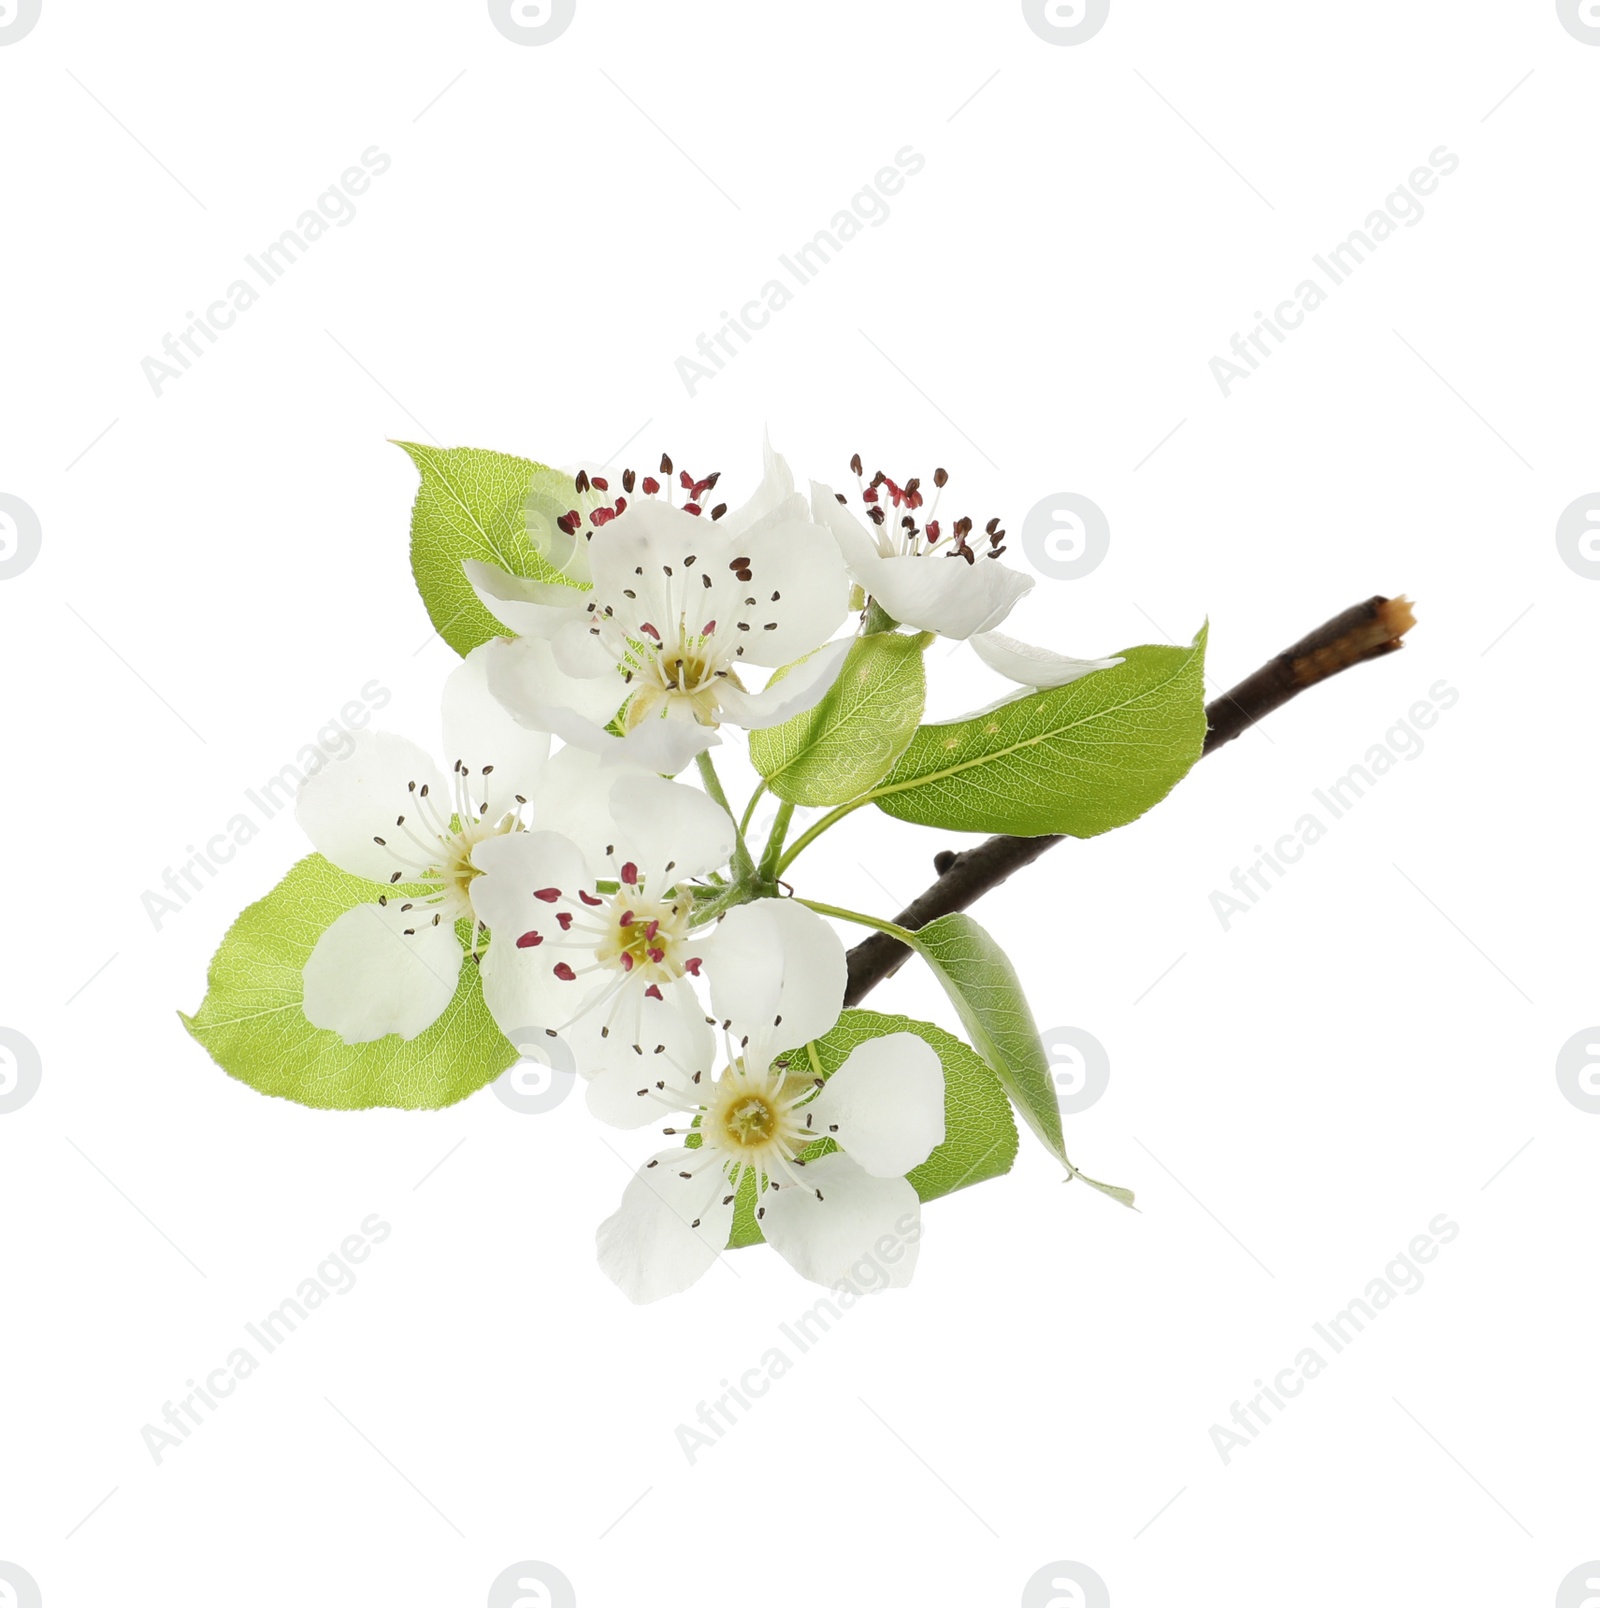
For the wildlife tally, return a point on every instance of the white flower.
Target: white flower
(681, 604)
(933, 579)
(607, 971)
(777, 975)
(387, 814)
(1033, 667)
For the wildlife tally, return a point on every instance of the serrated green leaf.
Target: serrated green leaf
(983, 986)
(838, 749)
(1079, 759)
(472, 504)
(252, 1024)
(980, 1136)
(977, 975)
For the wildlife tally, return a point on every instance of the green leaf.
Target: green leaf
(1079, 759)
(252, 1024)
(473, 504)
(983, 986)
(980, 1136)
(848, 741)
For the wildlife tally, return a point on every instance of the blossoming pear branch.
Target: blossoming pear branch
(552, 889)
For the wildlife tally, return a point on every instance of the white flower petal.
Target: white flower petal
(633, 1090)
(524, 676)
(366, 978)
(350, 803)
(776, 488)
(1030, 666)
(671, 832)
(529, 608)
(634, 554)
(797, 594)
(503, 758)
(664, 744)
(803, 688)
(777, 972)
(650, 1247)
(579, 653)
(836, 1238)
(885, 1105)
(857, 544)
(517, 867)
(938, 592)
(574, 800)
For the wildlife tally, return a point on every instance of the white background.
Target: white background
(1373, 1044)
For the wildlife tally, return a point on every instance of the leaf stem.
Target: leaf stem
(816, 829)
(743, 865)
(750, 808)
(903, 934)
(780, 830)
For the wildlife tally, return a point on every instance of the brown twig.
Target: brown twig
(1365, 631)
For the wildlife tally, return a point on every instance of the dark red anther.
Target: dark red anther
(654, 991)
(657, 955)
(602, 516)
(627, 962)
(650, 631)
(692, 965)
(530, 940)
(565, 972)
(549, 895)
(652, 929)
(588, 898)
(630, 874)
(650, 485)
(627, 919)
(564, 920)
(691, 508)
